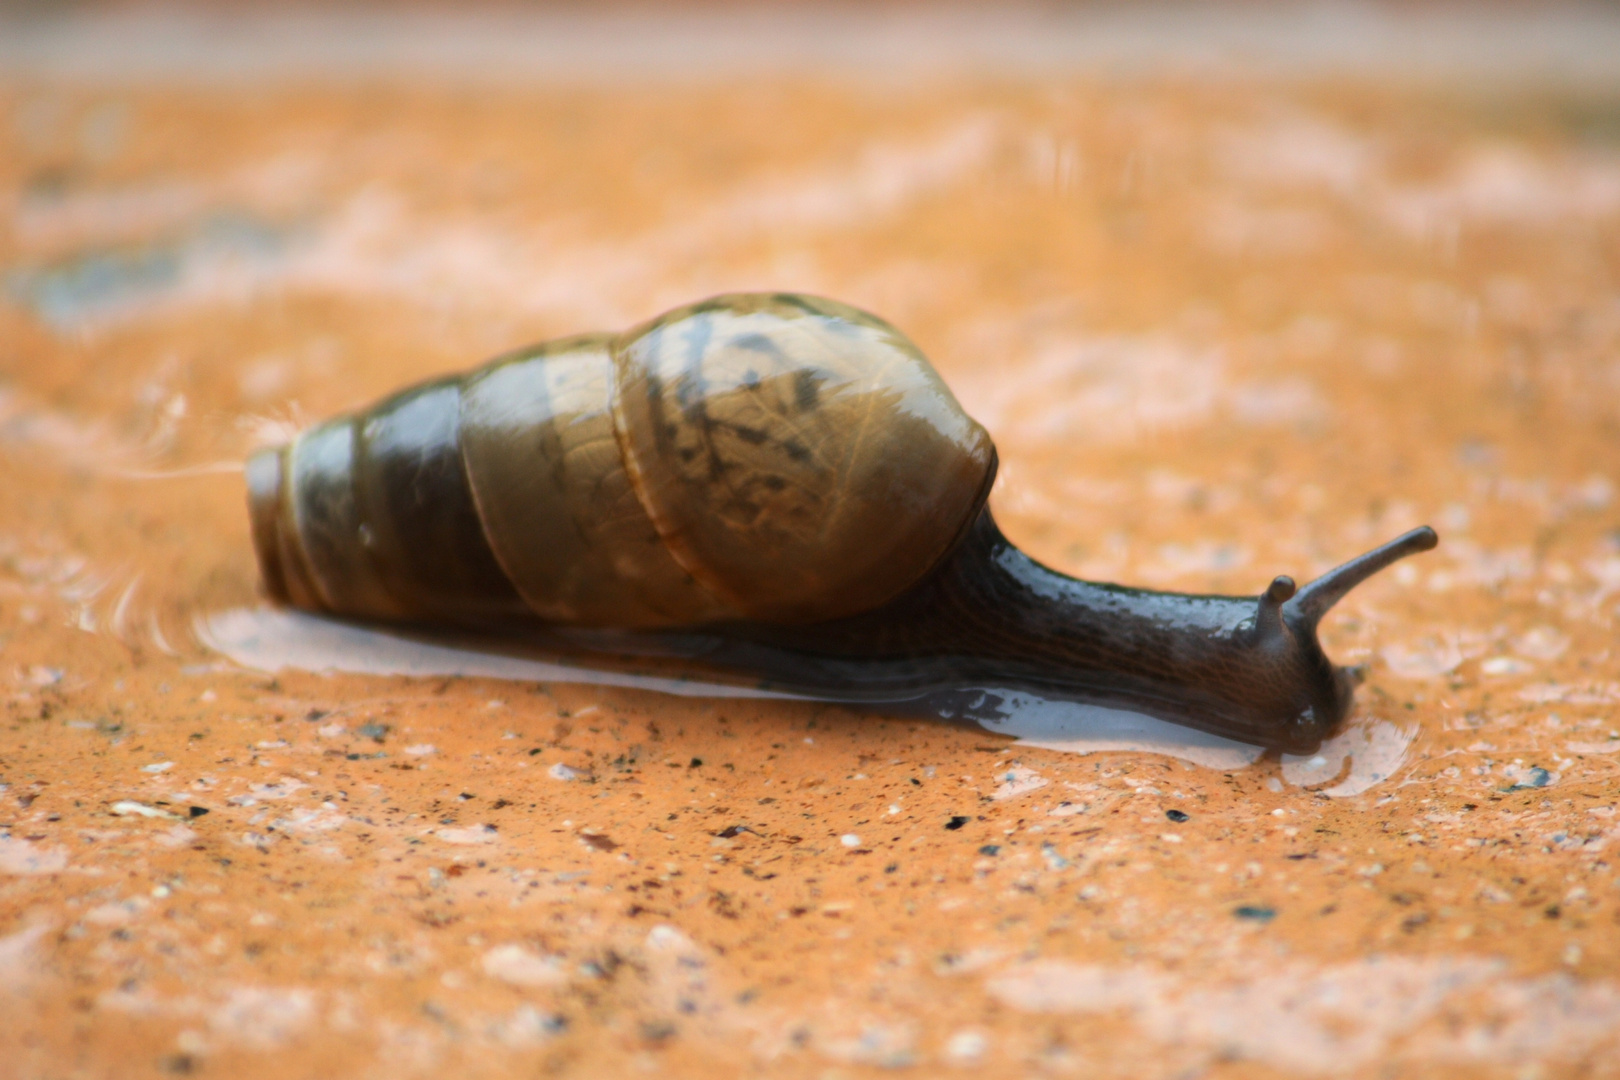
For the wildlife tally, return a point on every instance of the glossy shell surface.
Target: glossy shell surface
(770, 457)
(800, 458)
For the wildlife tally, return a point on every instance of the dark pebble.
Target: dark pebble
(956, 822)
(990, 849)
(1258, 914)
(1175, 815)
(657, 1031)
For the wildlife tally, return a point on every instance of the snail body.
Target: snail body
(790, 479)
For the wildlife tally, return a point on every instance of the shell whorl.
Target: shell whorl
(763, 457)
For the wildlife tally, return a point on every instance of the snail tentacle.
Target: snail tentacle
(1314, 600)
(1268, 622)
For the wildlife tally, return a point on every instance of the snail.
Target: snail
(784, 481)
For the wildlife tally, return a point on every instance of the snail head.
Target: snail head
(1285, 630)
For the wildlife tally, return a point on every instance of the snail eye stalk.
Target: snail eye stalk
(1308, 606)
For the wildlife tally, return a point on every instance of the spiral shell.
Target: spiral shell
(765, 457)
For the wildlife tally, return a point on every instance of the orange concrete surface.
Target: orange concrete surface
(1221, 325)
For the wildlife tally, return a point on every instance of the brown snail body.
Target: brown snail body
(785, 477)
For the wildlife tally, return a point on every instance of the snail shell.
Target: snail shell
(787, 476)
(766, 457)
